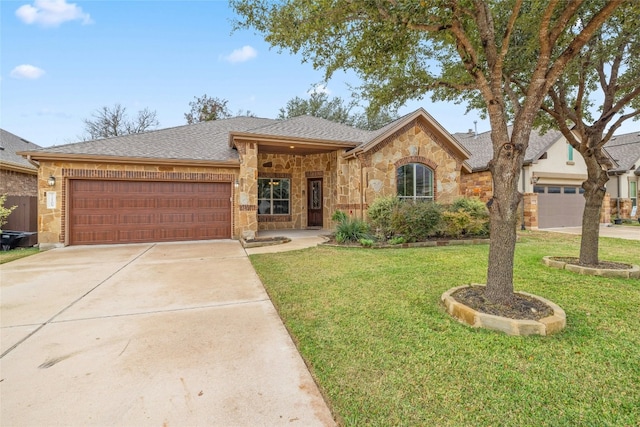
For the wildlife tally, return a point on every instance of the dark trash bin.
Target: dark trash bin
(10, 239)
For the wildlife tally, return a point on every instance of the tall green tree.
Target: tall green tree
(405, 49)
(605, 77)
(337, 110)
(205, 108)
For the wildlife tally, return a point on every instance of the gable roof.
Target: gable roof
(625, 150)
(10, 144)
(482, 150)
(200, 142)
(377, 136)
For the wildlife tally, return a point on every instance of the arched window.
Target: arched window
(415, 182)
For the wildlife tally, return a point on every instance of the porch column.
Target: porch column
(247, 219)
(530, 203)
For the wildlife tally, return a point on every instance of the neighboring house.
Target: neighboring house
(234, 177)
(623, 182)
(19, 181)
(552, 176)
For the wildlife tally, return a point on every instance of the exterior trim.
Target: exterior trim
(36, 155)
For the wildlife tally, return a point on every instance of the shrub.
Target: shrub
(380, 214)
(398, 240)
(367, 243)
(4, 211)
(416, 221)
(349, 229)
(465, 217)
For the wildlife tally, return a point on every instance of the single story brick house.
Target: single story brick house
(19, 182)
(232, 178)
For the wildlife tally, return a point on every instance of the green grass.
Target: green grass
(14, 254)
(384, 352)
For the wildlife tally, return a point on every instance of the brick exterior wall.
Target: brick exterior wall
(625, 209)
(477, 184)
(14, 183)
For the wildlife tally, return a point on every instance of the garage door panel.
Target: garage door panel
(132, 211)
(559, 206)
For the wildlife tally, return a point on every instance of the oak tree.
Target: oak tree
(404, 50)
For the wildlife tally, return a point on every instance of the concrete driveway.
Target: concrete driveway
(617, 231)
(170, 334)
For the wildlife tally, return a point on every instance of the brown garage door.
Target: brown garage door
(559, 206)
(103, 212)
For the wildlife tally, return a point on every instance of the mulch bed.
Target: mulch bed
(522, 307)
(609, 265)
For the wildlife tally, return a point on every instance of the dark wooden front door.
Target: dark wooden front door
(314, 202)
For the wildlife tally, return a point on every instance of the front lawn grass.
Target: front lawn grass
(370, 326)
(17, 253)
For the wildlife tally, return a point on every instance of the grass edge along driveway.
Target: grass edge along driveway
(384, 352)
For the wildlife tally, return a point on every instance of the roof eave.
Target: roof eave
(37, 155)
(286, 140)
(18, 168)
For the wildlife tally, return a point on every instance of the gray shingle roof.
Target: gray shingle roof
(200, 141)
(10, 144)
(625, 150)
(315, 128)
(482, 150)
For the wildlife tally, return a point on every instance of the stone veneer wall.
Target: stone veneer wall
(298, 169)
(625, 208)
(414, 143)
(13, 183)
(52, 222)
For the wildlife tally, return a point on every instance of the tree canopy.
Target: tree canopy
(337, 110)
(107, 122)
(205, 108)
(459, 50)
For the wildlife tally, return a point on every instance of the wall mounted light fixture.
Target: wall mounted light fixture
(51, 181)
(237, 183)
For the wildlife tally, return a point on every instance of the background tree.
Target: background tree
(4, 211)
(605, 75)
(337, 110)
(403, 50)
(206, 108)
(318, 105)
(114, 121)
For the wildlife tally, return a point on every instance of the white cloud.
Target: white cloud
(319, 89)
(27, 71)
(241, 55)
(52, 13)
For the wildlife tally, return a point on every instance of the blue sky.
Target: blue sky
(61, 60)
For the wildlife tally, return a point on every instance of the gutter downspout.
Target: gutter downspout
(33, 162)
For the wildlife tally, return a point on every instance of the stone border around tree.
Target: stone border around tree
(523, 327)
(633, 272)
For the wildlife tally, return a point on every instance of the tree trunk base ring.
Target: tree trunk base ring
(469, 316)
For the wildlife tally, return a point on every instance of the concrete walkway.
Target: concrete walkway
(616, 231)
(169, 334)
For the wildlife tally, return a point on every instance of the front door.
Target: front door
(314, 202)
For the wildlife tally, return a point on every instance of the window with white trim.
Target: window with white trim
(414, 182)
(274, 196)
(633, 193)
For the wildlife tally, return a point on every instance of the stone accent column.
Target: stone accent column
(530, 201)
(247, 216)
(605, 210)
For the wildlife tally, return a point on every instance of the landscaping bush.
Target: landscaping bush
(350, 230)
(416, 221)
(380, 214)
(465, 217)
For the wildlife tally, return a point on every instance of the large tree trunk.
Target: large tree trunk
(503, 209)
(594, 191)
